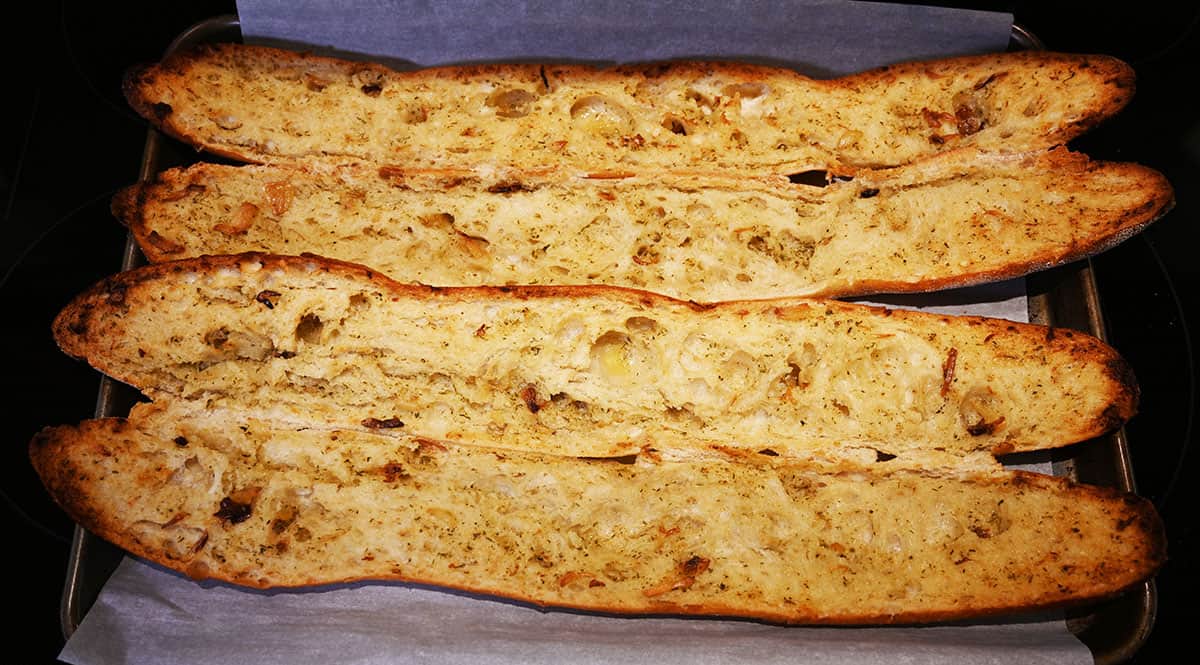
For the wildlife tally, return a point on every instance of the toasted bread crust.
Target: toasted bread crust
(241, 502)
(711, 452)
(685, 116)
(591, 370)
(959, 219)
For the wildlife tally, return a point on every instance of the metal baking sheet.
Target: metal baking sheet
(1063, 297)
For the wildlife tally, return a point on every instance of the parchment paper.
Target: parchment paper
(146, 614)
(817, 37)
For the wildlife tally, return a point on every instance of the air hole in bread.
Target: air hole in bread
(645, 255)
(620, 459)
(382, 423)
(509, 187)
(359, 302)
(240, 220)
(441, 221)
(675, 125)
(800, 488)
(640, 324)
(1035, 107)
(610, 355)
(746, 90)
(414, 115)
(239, 344)
(227, 121)
(784, 247)
(161, 110)
(310, 328)
(981, 410)
(164, 244)
(238, 506)
(177, 540)
(316, 83)
(816, 178)
(601, 115)
(788, 381)
(699, 98)
(369, 81)
(684, 414)
(191, 473)
(530, 397)
(511, 102)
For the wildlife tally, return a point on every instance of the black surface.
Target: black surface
(69, 142)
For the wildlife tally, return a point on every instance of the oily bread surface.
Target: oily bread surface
(260, 104)
(590, 370)
(957, 219)
(256, 505)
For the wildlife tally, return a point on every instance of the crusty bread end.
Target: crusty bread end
(260, 104)
(590, 370)
(248, 503)
(958, 219)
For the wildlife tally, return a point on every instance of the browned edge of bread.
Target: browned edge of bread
(129, 206)
(74, 324)
(69, 485)
(1116, 75)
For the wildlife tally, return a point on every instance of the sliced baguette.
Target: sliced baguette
(259, 104)
(258, 505)
(590, 370)
(957, 219)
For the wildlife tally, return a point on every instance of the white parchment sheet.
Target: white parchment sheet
(148, 615)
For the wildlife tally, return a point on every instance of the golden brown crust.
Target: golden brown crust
(195, 499)
(126, 205)
(612, 119)
(592, 370)
(959, 219)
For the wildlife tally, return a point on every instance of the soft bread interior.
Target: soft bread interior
(958, 219)
(590, 371)
(248, 502)
(265, 105)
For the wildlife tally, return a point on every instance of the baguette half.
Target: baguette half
(260, 104)
(590, 370)
(257, 505)
(957, 219)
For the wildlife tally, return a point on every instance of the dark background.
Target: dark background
(68, 142)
